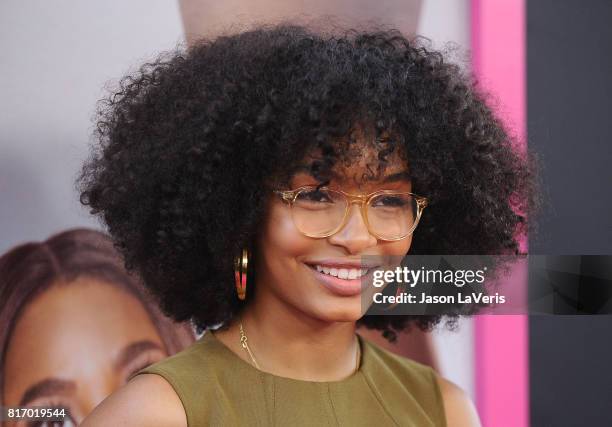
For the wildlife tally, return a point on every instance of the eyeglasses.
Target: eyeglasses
(321, 212)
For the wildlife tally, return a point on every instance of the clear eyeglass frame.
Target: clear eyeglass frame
(290, 196)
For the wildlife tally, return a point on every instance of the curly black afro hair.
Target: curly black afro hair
(189, 146)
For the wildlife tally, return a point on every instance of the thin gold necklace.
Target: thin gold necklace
(244, 343)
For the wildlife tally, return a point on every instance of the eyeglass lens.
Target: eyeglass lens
(319, 212)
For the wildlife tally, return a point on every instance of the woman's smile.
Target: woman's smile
(342, 277)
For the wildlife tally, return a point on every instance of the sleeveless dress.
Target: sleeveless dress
(218, 388)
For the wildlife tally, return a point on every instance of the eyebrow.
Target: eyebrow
(47, 387)
(399, 176)
(395, 177)
(133, 350)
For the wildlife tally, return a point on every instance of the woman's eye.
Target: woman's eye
(315, 196)
(391, 202)
(66, 422)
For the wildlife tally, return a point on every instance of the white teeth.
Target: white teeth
(343, 273)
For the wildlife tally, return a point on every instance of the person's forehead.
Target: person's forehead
(368, 169)
(362, 157)
(367, 162)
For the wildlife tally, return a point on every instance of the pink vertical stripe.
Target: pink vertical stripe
(501, 342)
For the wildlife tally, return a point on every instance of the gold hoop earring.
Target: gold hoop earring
(241, 264)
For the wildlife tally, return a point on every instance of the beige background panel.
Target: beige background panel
(208, 17)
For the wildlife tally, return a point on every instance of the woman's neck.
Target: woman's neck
(289, 343)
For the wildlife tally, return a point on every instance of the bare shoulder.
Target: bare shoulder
(458, 407)
(147, 400)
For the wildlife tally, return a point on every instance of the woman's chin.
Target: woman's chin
(349, 311)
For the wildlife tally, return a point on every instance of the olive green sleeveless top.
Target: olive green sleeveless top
(218, 388)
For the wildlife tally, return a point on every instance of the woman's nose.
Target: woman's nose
(354, 235)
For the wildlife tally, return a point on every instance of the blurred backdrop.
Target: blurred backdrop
(58, 57)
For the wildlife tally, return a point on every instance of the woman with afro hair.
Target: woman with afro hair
(247, 179)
